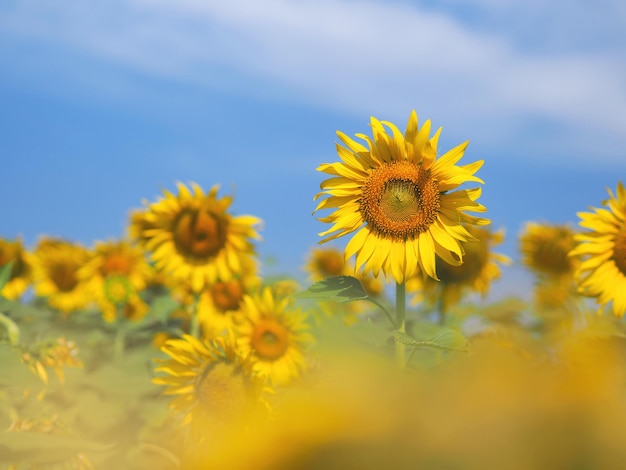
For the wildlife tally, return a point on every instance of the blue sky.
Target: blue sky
(106, 103)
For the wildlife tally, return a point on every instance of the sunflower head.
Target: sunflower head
(481, 266)
(324, 263)
(193, 236)
(212, 380)
(21, 270)
(396, 196)
(57, 267)
(545, 248)
(601, 250)
(274, 333)
(219, 304)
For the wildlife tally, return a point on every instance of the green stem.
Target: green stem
(400, 321)
(119, 342)
(441, 311)
(194, 327)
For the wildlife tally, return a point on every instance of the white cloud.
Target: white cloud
(366, 57)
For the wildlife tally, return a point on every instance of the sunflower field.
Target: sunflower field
(169, 349)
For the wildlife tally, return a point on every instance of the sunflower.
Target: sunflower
(481, 266)
(213, 382)
(324, 263)
(115, 273)
(545, 249)
(194, 237)
(121, 301)
(602, 251)
(275, 333)
(394, 194)
(57, 266)
(22, 270)
(219, 305)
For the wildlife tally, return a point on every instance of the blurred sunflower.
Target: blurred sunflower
(275, 333)
(115, 273)
(480, 267)
(57, 266)
(22, 270)
(602, 251)
(213, 382)
(121, 300)
(323, 263)
(545, 251)
(219, 305)
(139, 223)
(545, 248)
(395, 195)
(195, 238)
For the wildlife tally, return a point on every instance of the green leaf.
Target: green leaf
(449, 340)
(162, 306)
(5, 274)
(339, 289)
(13, 331)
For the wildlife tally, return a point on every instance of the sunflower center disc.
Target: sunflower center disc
(331, 264)
(222, 389)
(116, 263)
(269, 339)
(199, 234)
(400, 200)
(551, 254)
(227, 295)
(64, 276)
(619, 251)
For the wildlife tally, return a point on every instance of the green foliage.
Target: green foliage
(339, 289)
(372, 333)
(450, 340)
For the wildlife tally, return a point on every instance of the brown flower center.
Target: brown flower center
(199, 234)
(619, 250)
(64, 276)
(116, 263)
(400, 200)
(227, 295)
(474, 261)
(269, 339)
(330, 263)
(551, 254)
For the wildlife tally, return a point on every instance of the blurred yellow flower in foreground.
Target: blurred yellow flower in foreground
(394, 195)
(212, 381)
(602, 249)
(493, 408)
